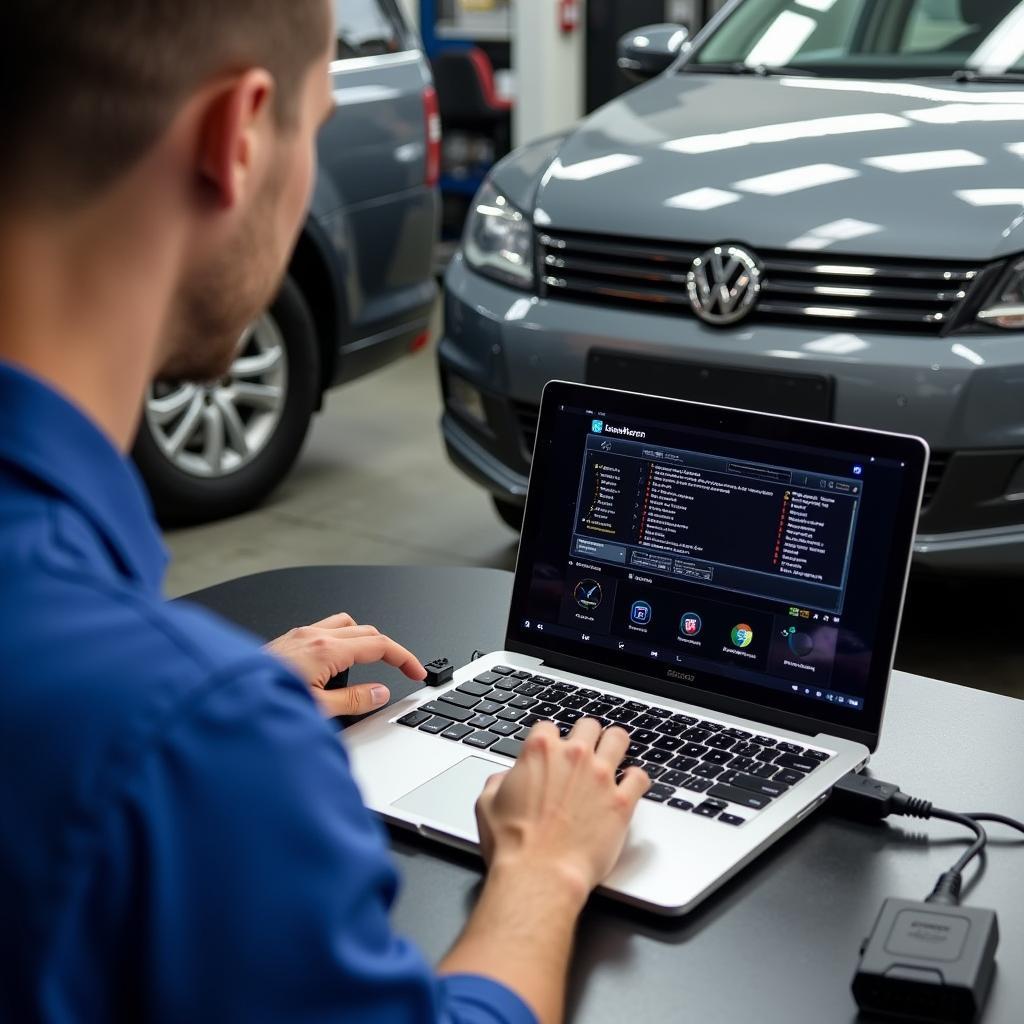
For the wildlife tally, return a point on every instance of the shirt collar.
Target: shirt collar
(44, 435)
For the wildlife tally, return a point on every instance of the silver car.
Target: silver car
(816, 208)
(360, 290)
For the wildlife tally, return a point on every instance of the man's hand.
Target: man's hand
(551, 830)
(324, 650)
(559, 809)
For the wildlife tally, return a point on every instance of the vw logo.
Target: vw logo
(724, 284)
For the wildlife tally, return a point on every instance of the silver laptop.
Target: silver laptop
(725, 585)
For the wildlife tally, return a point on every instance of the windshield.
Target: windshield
(900, 38)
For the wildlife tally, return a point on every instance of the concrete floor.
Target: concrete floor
(374, 487)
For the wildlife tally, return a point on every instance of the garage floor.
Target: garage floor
(374, 487)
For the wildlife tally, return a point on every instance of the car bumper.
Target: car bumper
(965, 396)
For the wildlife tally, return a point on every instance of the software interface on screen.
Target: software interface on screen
(757, 561)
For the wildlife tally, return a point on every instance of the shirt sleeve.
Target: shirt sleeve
(261, 884)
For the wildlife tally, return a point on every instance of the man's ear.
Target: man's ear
(236, 120)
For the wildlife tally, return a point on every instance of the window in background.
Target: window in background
(369, 28)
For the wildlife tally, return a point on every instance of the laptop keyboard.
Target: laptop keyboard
(695, 764)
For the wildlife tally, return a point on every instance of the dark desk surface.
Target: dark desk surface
(777, 944)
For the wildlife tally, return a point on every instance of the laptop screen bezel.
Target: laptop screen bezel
(860, 726)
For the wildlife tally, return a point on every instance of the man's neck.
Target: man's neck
(82, 307)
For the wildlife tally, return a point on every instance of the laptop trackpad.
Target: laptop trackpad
(449, 799)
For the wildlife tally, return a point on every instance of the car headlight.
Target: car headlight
(1006, 306)
(499, 239)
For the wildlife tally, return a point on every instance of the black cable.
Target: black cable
(1001, 819)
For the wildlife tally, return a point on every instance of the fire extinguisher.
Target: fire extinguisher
(569, 13)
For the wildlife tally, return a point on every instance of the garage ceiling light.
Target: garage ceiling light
(796, 179)
(965, 113)
(587, 169)
(703, 199)
(935, 160)
(992, 196)
(1017, 148)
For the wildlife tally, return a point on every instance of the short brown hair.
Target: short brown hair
(88, 86)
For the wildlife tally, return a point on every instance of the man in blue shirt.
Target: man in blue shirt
(180, 837)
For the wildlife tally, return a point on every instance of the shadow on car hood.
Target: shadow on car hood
(923, 168)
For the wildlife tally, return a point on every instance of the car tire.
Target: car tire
(185, 489)
(511, 515)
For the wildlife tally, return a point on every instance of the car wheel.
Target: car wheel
(212, 450)
(510, 514)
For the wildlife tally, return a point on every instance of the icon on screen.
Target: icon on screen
(742, 635)
(690, 624)
(640, 613)
(597, 426)
(858, 470)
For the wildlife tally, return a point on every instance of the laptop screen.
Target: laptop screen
(752, 557)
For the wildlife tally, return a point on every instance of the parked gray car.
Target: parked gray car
(359, 291)
(817, 209)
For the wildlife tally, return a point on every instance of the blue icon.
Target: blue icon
(597, 426)
(640, 613)
(858, 470)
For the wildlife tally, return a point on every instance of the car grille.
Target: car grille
(528, 414)
(921, 296)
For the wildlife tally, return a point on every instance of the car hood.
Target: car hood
(924, 168)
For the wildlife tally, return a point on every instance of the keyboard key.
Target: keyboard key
(683, 764)
(474, 688)
(568, 716)
(507, 684)
(767, 756)
(482, 740)
(817, 755)
(743, 797)
(684, 720)
(544, 680)
(545, 709)
(789, 748)
(710, 808)
(788, 777)
(530, 689)
(800, 764)
(456, 732)
(564, 686)
(693, 750)
(621, 715)
(743, 764)
(486, 678)
(435, 726)
(654, 771)
(696, 735)
(658, 712)
(659, 793)
(501, 696)
(523, 702)
(763, 771)
(631, 762)
(671, 743)
(488, 707)
(611, 698)
(655, 756)
(574, 702)
(635, 750)
(746, 749)
(680, 805)
(730, 819)
(551, 694)
(505, 728)
(598, 707)
(708, 771)
(764, 741)
(589, 694)
(717, 757)
(508, 747)
(461, 700)
(414, 718)
(711, 726)
(531, 720)
(512, 714)
(635, 705)
(646, 722)
(670, 778)
(719, 742)
(482, 721)
(765, 787)
(670, 728)
(448, 710)
(563, 729)
(644, 736)
(696, 785)
(737, 734)
(522, 675)
(503, 670)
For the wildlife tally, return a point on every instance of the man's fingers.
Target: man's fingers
(634, 784)
(353, 700)
(339, 621)
(587, 731)
(366, 650)
(613, 745)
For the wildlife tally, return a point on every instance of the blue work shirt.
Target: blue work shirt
(180, 836)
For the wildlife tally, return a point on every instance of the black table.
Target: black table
(777, 944)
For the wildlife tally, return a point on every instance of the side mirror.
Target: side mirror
(646, 52)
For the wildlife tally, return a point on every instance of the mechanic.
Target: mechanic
(181, 838)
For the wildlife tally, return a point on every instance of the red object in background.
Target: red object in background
(420, 342)
(569, 14)
(432, 114)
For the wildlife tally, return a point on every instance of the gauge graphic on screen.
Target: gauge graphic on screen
(588, 594)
